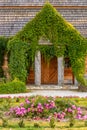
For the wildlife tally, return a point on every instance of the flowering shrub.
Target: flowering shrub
(39, 107)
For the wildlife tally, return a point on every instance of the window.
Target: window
(67, 63)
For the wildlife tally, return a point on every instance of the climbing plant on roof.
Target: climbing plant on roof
(50, 24)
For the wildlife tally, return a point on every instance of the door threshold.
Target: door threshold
(52, 87)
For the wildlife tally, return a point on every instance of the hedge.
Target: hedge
(12, 87)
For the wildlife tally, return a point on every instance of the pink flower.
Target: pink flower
(55, 114)
(46, 106)
(79, 117)
(32, 105)
(79, 112)
(20, 111)
(78, 108)
(52, 104)
(63, 113)
(22, 104)
(28, 110)
(69, 110)
(84, 117)
(73, 107)
(40, 110)
(60, 116)
(40, 107)
(27, 101)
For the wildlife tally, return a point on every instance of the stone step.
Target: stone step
(52, 87)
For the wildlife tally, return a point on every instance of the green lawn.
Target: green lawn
(81, 128)
(79, 125)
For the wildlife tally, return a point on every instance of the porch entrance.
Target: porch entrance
(49, 71)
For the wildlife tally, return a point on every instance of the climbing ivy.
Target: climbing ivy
(50, 24)
(18, 59)
(3, 48)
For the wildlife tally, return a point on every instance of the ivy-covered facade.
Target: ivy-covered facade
(48, 49)
(63, 41)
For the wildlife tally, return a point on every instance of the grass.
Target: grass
(79, 125)
(23, 129)
(81, 128)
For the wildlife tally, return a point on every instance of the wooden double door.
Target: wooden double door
(49, 72)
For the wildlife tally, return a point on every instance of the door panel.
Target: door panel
(49, 73)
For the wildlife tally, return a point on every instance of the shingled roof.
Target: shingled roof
(41, 2)
(15, 13)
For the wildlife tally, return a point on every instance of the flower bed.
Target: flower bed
(39, 108)
(46, 107)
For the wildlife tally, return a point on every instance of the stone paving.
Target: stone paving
(50, 91)
(53, 93)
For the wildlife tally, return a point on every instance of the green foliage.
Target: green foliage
(18, 58)
(63, 103)
(49, 24)
(3, 48)
(6, 104)
(71, 121)
(71, 124)
(15, 86)
(40, 99)
(85, 123)
(36, 125)
(52, 122)
(4, 122)
(3, 80)
(21, 123)
(17, 99)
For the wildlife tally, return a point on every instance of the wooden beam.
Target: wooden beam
(39, 7)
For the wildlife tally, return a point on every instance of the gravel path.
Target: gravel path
(53, 93)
